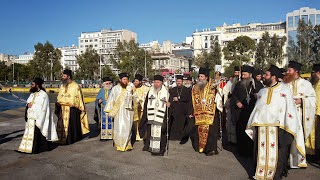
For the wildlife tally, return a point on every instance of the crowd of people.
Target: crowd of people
(270, 116)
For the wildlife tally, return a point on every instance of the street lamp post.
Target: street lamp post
(145, 63)
(100, 68)
(12, 72)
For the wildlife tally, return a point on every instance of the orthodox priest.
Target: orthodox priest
(104, 122)
(154, 118)
(120, 108)
(141, 92)
(40, 128)
(227, 93)
(305, 100)
(70, 109)
(274, 125)
(206, 102)
(313, 142)
(242, 103)
(180, 99)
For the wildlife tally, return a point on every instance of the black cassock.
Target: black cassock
(74, 128)
(241, 116)
(145, 130)
(178, 111)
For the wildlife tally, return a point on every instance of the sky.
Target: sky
(23, 23)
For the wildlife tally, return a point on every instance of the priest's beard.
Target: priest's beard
(268, 82)
(202, 84)
(314, 79)
(157, 89)
(288, 78)
(187, 85)
(33, 89)
(65, 82)
(245, 82)
(123, 85)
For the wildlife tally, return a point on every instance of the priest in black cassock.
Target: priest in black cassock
(180, 98)
(242, 103)
(154, 118)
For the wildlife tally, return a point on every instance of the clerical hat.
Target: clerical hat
(189, 78)
(38, 81)
(295, 65)
(139, 77)
(105, 79)
(247, 68)
(179, 77)
(67, 72)
(275, 71)
(316, 68)
(236, 68)
(257, 72)
(204, 71)
(122, 75)
(158, 78)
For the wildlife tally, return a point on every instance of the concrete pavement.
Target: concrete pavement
(93, 159)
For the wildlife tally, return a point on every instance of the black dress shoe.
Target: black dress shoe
(157, 154)
(145, 149)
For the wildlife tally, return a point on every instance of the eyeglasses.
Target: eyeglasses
(107, 83)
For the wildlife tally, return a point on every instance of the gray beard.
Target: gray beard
(187, 85)
(202, 84)
(245, 82)
(157, 89)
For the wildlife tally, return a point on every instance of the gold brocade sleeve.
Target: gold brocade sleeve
(72, 96)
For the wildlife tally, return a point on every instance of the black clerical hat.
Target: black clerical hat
(179, 77)
(236, 68)
(257, 72)
(122, 75)
(139, 77)
(275, 71)
(295, 65)
(189, 78)
(204, 71)
(38, 81)
(158, 77)
(105, 79)
(247, 68)
(67, 72)
(316, 68)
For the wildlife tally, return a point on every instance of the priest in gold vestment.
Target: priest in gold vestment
(206, 104)
(313, 142)
(70, 109)
(141, 92)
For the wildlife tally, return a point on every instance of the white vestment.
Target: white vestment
(38, 115)
(119, 106)
(275, 108)
(303, 89)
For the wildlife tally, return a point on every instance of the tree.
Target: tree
(107, 72)
(240, 49)
(315, 45)
(46, 56)
(89, 65)
(130, 58)
(203, 60)
(228, 71)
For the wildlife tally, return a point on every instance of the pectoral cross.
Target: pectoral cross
(151, 98)
(164, 101)
(248, 99)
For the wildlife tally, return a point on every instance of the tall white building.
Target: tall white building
(24, 59)
(105, 42)
(225, 34)
(68, 57)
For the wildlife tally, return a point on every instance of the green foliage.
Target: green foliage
(130, 58)
(41, 63)
(240, 49)
(316, 43)
(107, 72)
(269, 50)
(89, 65)
(228, 71)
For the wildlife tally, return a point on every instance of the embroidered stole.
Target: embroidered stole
(106, 122)
(118, 103)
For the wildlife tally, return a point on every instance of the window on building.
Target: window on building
(312, 19)
(86, 46)
(90, 40)
(296, 21)
(85, 40)
(305, 18)
(206, 38)
(96, 45)
(317, 19)
(81, 40)
(95, 40)
(81, 46)
(205, 45)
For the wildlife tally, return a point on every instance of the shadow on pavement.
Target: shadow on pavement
(3, 138)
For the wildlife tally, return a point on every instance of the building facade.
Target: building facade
(226, 33)
(105, 42)
(69, 57)
(24, 59)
